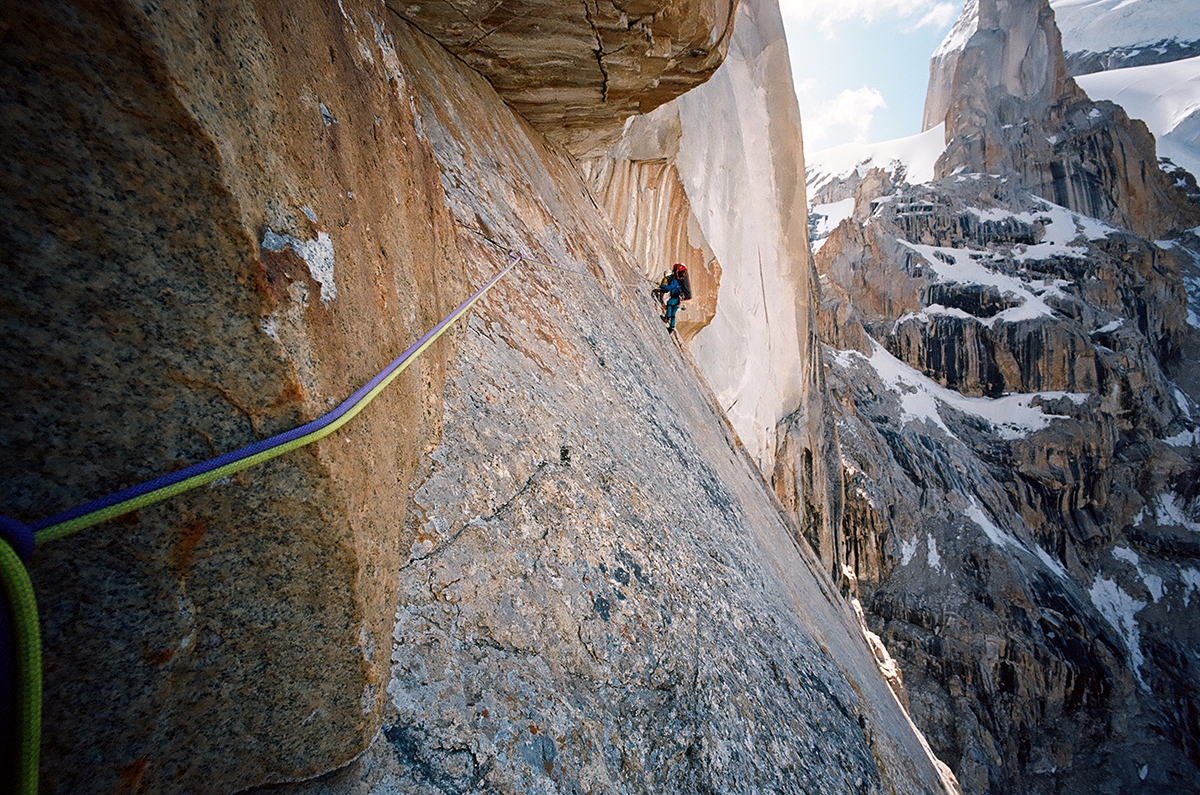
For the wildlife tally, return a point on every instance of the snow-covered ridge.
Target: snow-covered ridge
(916, 155)
(1149, 29)
(1166, 96)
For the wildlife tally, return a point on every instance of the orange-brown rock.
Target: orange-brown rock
(169, 169)
(220, 220)
(640, 189)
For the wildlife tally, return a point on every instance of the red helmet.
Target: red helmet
(680, 267)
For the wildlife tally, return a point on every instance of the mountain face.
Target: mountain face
(543, 561)
(1013, 366)
(1000, 85)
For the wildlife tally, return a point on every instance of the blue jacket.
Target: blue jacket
(674, 288)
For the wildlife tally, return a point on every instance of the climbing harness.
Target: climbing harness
(17, 589)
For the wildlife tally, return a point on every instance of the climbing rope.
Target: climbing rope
(159, 489)
(26, 641)
(21, 539)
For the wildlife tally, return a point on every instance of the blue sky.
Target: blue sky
(861, 66)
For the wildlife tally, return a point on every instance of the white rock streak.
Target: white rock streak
(317, 255)
(740, 161)
(917, 153)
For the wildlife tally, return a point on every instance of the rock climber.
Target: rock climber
(674, 289)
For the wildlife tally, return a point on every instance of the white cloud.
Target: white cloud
(806, 85)
(849, 114)
(826, 15)
(939, 16)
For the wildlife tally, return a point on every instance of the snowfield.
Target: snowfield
(1103, 25)
(1166, 96)
(1011, 416)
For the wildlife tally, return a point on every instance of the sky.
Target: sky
(861, 66)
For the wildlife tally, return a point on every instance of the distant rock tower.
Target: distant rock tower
(1000, 83)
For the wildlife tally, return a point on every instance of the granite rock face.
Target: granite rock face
(1000, 84)
(1017, 428)
(602, 594)
(213, 231)
(541, 562)
(577, 71)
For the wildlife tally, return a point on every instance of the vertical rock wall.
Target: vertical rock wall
(602, 594)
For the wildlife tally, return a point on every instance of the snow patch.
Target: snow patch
(1050, 562)
(1166, 96)
(1184, 439)
(932, 558)
(1181, 400)
(828, 216)
(1110, 327)
(1168, 509)
(1191, 582)
(965, 268)
(1000, 538)
(1011, 416)
(1119, 609)
(317, 255)
(1061, 225)
(908, 549)
(1153, 582)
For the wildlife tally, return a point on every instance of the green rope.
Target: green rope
(19, 590)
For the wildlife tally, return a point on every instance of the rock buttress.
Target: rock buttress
(1000, 84)
(219, 221)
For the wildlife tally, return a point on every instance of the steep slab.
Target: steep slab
(603, 594)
